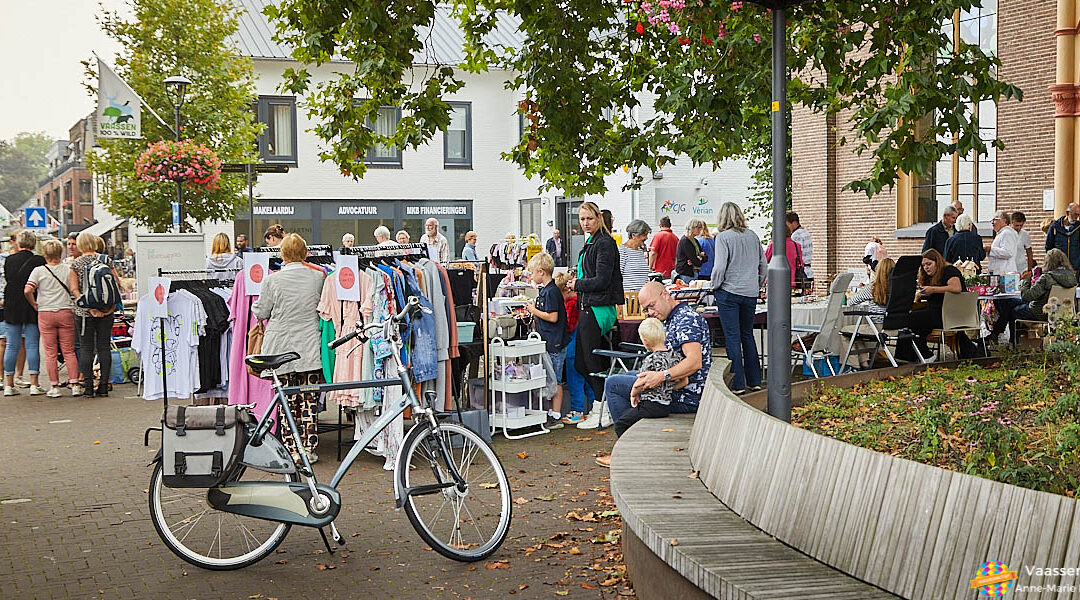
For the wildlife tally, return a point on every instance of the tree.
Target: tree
(189, 38)
(22, 167)
(705, 64)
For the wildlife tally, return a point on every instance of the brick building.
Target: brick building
(67, 194)
(1022, 33)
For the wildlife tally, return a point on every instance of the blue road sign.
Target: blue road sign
(36, 218)
(176, 214)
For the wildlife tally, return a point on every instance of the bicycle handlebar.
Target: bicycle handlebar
(412, 310)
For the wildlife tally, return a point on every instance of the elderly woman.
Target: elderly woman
(94, 326)
(599, 288)
(738, 273)
(965, 244)
(382, 236)
(632, 261)
(289, 302)
(688, 254)
(469, 251)
(20, 316)
(48, 294)
(402, 237)
(1033, 297)
(347, 241)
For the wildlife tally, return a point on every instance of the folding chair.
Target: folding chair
(894, 327)
(825, 331)
(1067, 300)
(959, 314)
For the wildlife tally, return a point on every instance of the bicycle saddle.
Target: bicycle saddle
(270, 361)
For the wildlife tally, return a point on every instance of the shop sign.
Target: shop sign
(436, 211)
(357, 210)
(275, 210)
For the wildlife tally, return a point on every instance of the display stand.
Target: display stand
(500, 354)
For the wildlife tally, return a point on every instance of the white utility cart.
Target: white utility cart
(529, 353)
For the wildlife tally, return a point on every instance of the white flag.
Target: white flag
(119, 112)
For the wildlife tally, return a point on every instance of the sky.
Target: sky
(41, 45)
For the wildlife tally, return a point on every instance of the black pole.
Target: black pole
(779, 287)
(179, 184)
(164, 364)
(251, 203)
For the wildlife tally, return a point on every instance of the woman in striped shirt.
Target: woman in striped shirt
(632, 260)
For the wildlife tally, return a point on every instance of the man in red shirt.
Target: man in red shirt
(662, 249)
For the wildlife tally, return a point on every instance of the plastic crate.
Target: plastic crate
(465, 331)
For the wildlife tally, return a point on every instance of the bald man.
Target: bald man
(1064, 234)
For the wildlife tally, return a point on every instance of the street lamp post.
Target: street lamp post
(779, 290)
(176, 89)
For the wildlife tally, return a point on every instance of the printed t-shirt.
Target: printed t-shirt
(685, 325)
(51, 296)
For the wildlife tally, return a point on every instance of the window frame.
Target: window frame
(383, 162)
(262, 115)
(534, 207)
(467, 161)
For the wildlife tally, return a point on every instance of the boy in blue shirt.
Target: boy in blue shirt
(550, 312)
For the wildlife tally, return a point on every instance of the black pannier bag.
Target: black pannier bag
(200, 445)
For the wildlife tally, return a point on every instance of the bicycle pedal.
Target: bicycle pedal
(337, 537)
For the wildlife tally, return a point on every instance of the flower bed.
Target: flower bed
(1016, 421)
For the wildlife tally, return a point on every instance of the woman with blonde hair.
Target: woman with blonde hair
(20, 317)
(94, 326)
(705, 240)
(600, 288)
(222, 263)
(688, 254)
(875, 295)
(289, 302)
(48, 294)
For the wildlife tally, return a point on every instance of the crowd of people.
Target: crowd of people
(49, 302)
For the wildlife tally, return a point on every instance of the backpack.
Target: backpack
(102, 292)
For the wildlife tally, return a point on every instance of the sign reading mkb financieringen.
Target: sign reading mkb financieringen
(118, 111)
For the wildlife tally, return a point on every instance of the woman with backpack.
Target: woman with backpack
(19, 316)
(94, 284)
(51, 297)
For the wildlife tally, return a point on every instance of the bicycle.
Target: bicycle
(443, 470)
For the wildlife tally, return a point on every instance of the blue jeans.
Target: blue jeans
(574, 381)
(15, 333)
(617, 393)
(737, 320)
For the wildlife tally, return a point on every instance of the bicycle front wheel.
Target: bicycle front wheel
(465, 525)
(207, 537)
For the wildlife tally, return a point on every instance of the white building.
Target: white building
(459, 177)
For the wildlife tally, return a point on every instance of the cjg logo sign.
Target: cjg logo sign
(673, 208)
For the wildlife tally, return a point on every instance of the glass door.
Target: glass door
(566, 216)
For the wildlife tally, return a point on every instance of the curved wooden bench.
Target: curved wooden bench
(679, 541)
(912, 529)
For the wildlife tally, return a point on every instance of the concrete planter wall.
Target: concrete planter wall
(912, 529)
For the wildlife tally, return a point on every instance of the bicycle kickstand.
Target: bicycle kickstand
(337, 537)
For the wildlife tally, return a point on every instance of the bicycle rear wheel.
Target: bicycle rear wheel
(466, 525)
(207, 537)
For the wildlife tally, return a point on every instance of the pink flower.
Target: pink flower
(673, 28)
(757, 38)
(735, 6)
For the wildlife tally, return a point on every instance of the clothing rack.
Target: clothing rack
(204, 272)
(388, 251)
(313, 249)
(482, 300)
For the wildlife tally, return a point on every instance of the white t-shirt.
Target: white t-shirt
(181, 341)
(51, 295)
(1021, 251)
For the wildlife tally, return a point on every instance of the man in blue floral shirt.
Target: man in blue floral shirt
(687, 331)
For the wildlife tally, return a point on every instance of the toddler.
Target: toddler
(652, 403)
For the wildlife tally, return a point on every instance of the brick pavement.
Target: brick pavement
(85, 533)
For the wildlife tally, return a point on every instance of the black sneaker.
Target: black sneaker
(553, 423)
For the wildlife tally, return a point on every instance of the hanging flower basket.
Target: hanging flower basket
(197, 166)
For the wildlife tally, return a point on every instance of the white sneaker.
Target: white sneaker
(10, 391)
(592, 421)
(36, 390)
(20, 382)
(605, 417)
(53, 392)
(76, 390)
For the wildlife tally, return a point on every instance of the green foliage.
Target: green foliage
(188, 38)
(709, 91)
(22, 167)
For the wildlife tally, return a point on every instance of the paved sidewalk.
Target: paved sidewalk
(85, 532)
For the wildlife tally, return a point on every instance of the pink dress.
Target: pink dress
(348, 365)
(244, 387)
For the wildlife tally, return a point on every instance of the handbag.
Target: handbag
(254, 344)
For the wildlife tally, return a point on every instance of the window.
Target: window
(277, 143)
(457, 141)
(386, 122)
(84, 192)
(530, 217)
(969, 179)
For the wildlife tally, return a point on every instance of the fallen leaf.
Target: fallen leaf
(486, 486)
(497, 564)
(668, 430)
(546, 498)
(601, 433)
(564, 463)
(588, 587)
(609, 513)
(523, 455)
(694, 474)
(255, 596)
(674, 541)
(523, 586)
(610, 582)
(562, 593)
(520, 500)
(324, 567)
(283, 562)
(589, 516)
(574, 550)
(583, 439)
